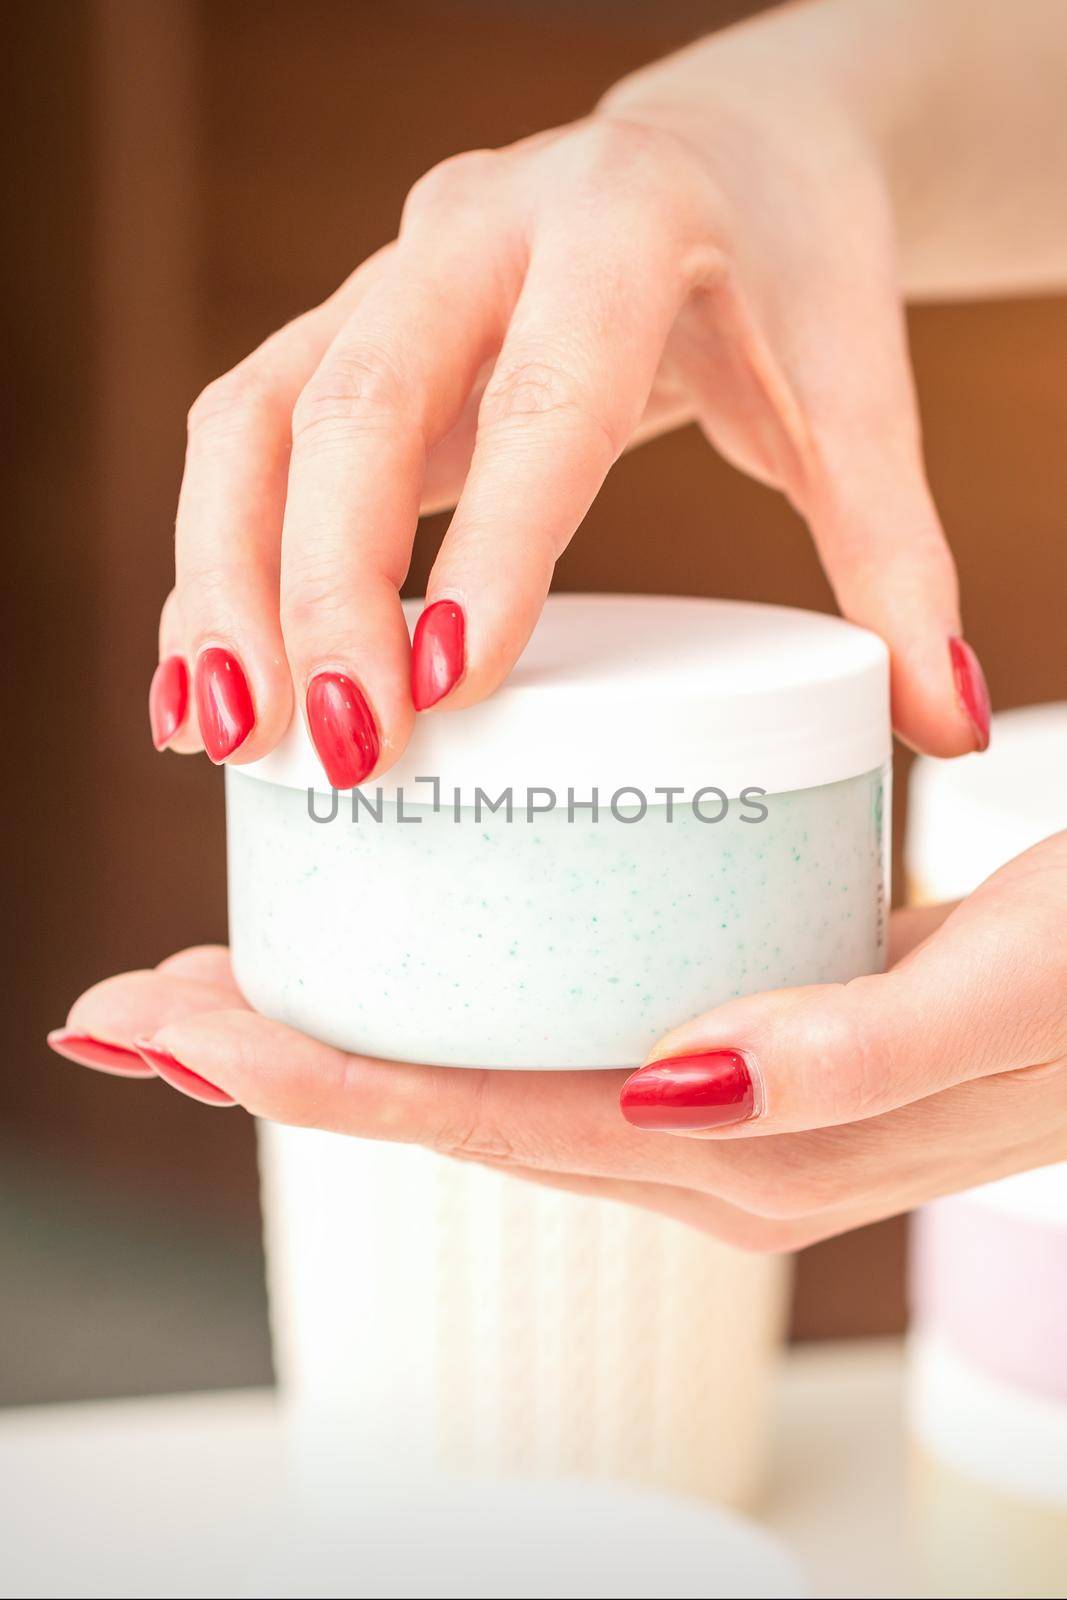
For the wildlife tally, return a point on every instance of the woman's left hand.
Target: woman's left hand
(771, 1121)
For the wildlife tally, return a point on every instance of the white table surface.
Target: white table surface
(132, 1488)
(838, 1496)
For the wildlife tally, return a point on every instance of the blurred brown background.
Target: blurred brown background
(191, 173)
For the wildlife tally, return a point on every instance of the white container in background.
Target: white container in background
(969, 816)
(428, 1311)
(988, 1391)
(989, 1274)
(989, 1478)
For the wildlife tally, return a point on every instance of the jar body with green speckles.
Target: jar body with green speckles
(550, 938)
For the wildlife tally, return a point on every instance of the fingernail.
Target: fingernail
(168, 700)
(436, 653)
(710, 1090)
(971, 688)
(223, 703)
(180, 1078)
(342, 728)
(90, 1052)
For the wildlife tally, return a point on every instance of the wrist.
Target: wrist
(848, 80)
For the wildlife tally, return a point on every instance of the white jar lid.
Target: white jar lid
(968, 817)
(618, 691)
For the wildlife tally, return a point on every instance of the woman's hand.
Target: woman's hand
(712, 245)
(869, 1097)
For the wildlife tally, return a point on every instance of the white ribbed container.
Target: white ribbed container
(443, 1315)
(988, 1380)
(439, 1315)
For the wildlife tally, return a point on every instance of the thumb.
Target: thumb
(983, 995)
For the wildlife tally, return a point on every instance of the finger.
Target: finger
(830, 1180)
(567, 391)
(228, 543)
(122, 1008)
(228, 532)
(128, 1010)
(392, 384)
(981, 996)
(170, 711)
(872, 514)
(564, 1122)
(104, 1022)
(209, 963)
(831, 365)
(449, 462)
(561, 1124)
(885, 554)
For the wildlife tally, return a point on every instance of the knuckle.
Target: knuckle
(473, 1133)
(458, 181)
(311, 1102)
(604, 145)
(313, 597)
(853, 1039)
(358, 388)
(229, 403)
(610, 155)
(476, 1142)
(531, 392)
(841, 1040)
(213, 583)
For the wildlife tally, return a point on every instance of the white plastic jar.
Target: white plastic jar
(668, 803)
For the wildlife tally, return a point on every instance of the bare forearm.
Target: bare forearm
(961, 102)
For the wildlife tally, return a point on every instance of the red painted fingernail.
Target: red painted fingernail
(971, 688)
(710, 1090)
(223, 703)
(342, 728)
(436, 653)
(168, 700)
(90, 1052)
(180, 1078)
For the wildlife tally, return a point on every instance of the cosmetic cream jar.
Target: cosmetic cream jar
(690, 804)
(443, 1315)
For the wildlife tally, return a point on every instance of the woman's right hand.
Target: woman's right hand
(544, 307)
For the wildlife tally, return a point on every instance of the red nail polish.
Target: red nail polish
(168, 700)
(90, 1052)
(180, 1078)
(342, 729)
(223, 703)
(710, 1090)
(971, 688)
(436, 653)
